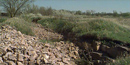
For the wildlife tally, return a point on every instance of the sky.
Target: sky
(83, 5)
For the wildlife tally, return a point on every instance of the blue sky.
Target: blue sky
(83, 5)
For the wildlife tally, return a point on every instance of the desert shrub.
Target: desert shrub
(20, 25)
(78, 12)
(27, 17)
(30, 17)
(125, 14)
(35, 19)
(57, 25)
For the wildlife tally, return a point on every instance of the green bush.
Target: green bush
(103, 29)
(2, 20)
(57, 25)
(97, 28)
(20, 25)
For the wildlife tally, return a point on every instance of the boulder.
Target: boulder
(96, 45)
(11, 63)
(19, 63)
(60, 63)
(45, 60)
(38, 60)
(31, 63)
(1, 61)
(72, 56)
(9, 56)
(2, 52)
(4, 63)
(66, 60)
(45, 56)
(20, 57)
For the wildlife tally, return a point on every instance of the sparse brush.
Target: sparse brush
(99, 29)
(20, 25)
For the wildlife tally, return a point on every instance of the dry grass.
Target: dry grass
(20, 25)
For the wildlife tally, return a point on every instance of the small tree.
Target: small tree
(49, 11)
(88, 12)
(12, 7)
(78, 12)
(42, 10)
(115, 13)
(31, 9)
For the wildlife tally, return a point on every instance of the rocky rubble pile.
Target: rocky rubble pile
(47, 34)
(19, 49)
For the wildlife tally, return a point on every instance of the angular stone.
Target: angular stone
(30, 48)
(1, 61)
(66, 60)
(9, 49)
(72, 44)
(45, 60)
(72, 55)
(6, 56)
(45, 56)
(58, 48)
(11, 63)
(76, 53)
(31, 63)
(47, 45)
(25, 62)
(19, 63)
(2, 52)
(38, 60)
(12, 57)
(96, 45)
(19, 33)
(20, 57)
(31, 52)
(60, 63)
(32, 58)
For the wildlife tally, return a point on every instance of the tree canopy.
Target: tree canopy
(12, 7)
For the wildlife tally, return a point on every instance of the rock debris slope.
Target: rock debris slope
(46, 34)
(19, 49)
